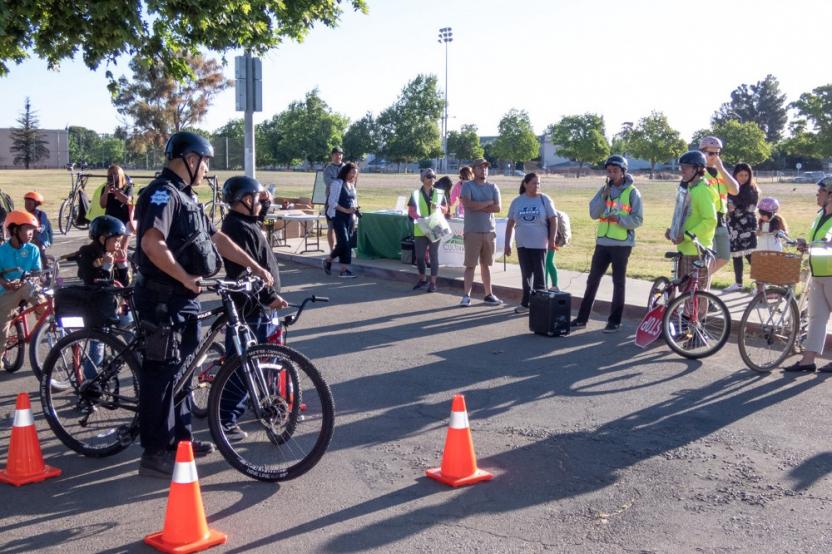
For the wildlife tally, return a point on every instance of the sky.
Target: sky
(552, 58)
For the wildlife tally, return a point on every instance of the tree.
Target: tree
(743, 142)
(581, 138)
(28, 147)
(621, 140)
(465, 143)
(82, 144)
(814, 110)
(655, 140)
(408, 130)
(109, 150)
(309, 129)
(516, 141)
(161, 30)
(360, 138)
(761, 103)
(801, 144)
(159, 105)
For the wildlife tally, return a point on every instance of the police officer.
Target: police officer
(178, 245)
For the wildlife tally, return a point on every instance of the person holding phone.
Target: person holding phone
(117, 197)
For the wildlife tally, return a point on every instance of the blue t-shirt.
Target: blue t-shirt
(26, 258)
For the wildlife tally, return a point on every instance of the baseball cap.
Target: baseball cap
(479, 161)
(429, 172)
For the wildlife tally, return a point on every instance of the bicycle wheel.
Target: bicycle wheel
(768, 329)
(15, 344)
(215, 212)
(65, 216)
(203, 377)
(660, 293)
(95, 416)
(296, 418)
(701, 336)
(44, 337)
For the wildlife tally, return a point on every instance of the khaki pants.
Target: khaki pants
(820, 306)
(9, 301)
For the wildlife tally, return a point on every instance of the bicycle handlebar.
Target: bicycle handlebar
(293, 318)
(704, 250)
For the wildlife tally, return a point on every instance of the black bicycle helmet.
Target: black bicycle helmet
(618, 161)
(106, 226)
(826, 183)
(693, 157)
(237, 188)
(183, 143)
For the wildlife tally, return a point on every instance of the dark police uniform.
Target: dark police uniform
(168, 205)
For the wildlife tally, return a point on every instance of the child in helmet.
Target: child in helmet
(771, 223)
(43, 236)
(17, 256)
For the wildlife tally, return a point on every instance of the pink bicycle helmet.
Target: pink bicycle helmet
(768, 204)
(710, 142)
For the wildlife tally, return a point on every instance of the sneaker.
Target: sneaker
(825, 369)
(797, 366)
(521, 309)
(733, 288)
(432, 287)
(420, 285)
(327, 266)
(612, 328)
(202, 448)
(577, 324)
(233, 432)
(157, 464)
(347, 274)
(492, 300)
(554, 289)
(465, 302)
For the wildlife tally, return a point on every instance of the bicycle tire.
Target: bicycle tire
(44, 337)
(203, 377)
(65, 216)
(696, 341)
(215, 212)
(95, 422)
(660, 293)
(15, 345)
(298, 417)
(763, 342)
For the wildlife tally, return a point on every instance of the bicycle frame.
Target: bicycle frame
(48, 307)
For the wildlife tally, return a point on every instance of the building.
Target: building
(57, 141)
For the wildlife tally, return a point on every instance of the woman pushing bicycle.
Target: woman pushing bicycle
(819, 247)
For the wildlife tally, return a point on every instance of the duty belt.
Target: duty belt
(160, 288)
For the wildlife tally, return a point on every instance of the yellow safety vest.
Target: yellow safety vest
(721, 189)
(821, 264)
(615, 207)
(422, 208)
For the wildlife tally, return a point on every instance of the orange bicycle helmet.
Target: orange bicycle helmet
(19, 217)
(36, 196)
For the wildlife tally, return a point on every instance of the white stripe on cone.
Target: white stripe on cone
(23, 418)
(459, 420)
(184, 473)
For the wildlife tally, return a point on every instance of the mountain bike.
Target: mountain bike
(70, 207)
(215, 208)
(775, 323)
(98, 415)
(209, 368)
(695, 323)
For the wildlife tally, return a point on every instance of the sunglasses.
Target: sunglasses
(712, 154)
(765, 213)
(430, 176)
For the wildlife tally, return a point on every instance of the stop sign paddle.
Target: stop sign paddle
(650, 327)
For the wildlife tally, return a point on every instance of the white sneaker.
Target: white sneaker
(733, 288)
(465, 302)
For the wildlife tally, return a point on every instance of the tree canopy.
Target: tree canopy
(465, 143)
(814, 116)
(408, 130)
(581, 138)
(743, 142)
(516, 141)
(761, 103)
(28, 146)
(162, 31)
(654, 140)
(360, 138)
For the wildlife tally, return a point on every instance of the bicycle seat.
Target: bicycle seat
(672, 255)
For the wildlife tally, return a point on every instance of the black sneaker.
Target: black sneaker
(202, 448)
(234, 433)
(577, 324)
(420, 285)
(612, 328)
(157, 464)
(347, 274)
(491, 300)
(327, 266)
(797, 366)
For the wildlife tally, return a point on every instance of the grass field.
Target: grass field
(377, 191)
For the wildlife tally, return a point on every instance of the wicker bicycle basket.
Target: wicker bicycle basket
(776, 268)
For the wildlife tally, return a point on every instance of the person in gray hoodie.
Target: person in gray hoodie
(617, 207)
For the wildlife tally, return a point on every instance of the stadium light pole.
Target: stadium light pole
(446, 35)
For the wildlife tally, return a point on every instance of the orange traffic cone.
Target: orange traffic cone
(459, 463)
(25, 463)
(186, 529)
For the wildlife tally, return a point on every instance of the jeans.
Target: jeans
(531, 269)
(343, 228)
(96, 352)
(420, 245)
(235, 394)
(601, 260)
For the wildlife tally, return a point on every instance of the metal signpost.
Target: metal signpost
(249, 92)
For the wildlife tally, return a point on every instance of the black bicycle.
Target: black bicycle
(285, 410)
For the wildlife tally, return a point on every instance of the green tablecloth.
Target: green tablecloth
(380, 235)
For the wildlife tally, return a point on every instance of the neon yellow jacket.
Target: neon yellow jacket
(701, 218)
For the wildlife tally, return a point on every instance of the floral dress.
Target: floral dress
(742, 221)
